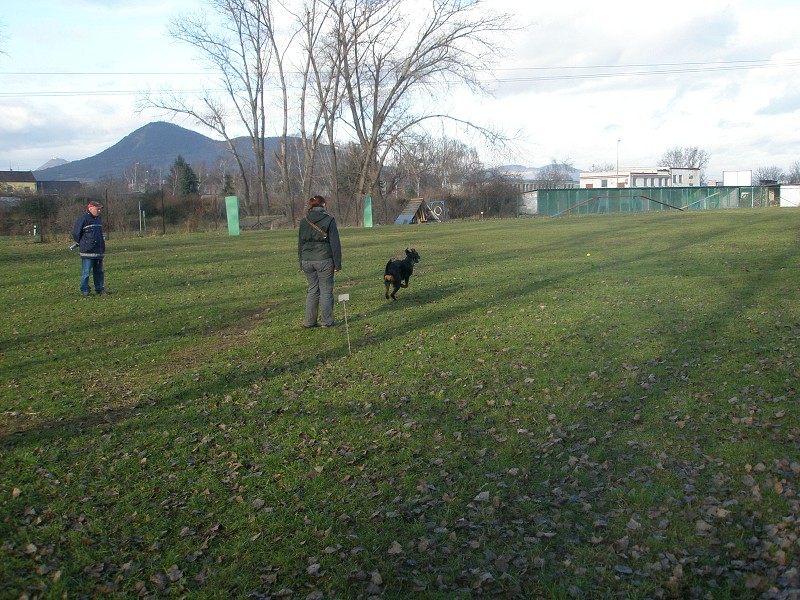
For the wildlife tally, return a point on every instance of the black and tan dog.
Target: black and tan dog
(398, 272)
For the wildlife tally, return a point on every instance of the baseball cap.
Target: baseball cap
(95, 203)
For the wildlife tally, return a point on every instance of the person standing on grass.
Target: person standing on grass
(88, 234)
(320, 254)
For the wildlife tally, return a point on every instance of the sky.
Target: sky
(588, 83)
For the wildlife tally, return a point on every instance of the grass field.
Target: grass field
(556, 408)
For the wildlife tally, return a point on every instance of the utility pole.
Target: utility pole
(163, 217)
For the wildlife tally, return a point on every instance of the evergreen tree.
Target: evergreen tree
(183, 177)
(227, 186)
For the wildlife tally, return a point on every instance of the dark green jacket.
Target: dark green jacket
(313, 245)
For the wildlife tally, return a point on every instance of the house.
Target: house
(525, 186)
(59, 187)
(682, 177)
(642, 177)
(17, 182)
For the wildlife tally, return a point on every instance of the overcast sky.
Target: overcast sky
(585, 82)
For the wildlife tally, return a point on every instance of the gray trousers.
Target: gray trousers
(319, 300)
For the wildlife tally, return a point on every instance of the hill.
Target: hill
(154, 146)
(53, 162)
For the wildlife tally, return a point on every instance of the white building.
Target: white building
(790, 195)
(641, 177)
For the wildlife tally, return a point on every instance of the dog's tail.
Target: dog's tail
(386, 275)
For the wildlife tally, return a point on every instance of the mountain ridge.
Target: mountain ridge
(156, 146)
(53, 162)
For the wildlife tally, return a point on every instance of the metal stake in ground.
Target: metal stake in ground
(343, 298)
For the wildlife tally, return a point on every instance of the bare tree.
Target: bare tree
(413, 165)
(690, 157)
(320, 92)
(451, 161)
(238, 46)
(254, 45)
(392, 53)
(793, 176)
(772, 174)
(365, 71)
(486, 193)
(2, 38)
(281, 44)
(555, 175)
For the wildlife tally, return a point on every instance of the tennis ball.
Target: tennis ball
(588, 254)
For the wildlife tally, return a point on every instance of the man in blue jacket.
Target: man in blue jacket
(88, 234)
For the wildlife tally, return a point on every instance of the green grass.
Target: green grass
(556, 408)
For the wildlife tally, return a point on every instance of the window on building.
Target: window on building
(604, 183)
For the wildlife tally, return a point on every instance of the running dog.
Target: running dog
(398, 272)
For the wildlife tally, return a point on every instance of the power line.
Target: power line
(606, 71)
(103, 73)
(661, 70)
(741, 63)
(721, 65)
(53, 94)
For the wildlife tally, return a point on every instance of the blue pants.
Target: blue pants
(319, 274)
(95, 266)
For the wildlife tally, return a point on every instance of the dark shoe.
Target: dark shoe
(308, 326)
(86, 294)
(104, 292)
(335, 324)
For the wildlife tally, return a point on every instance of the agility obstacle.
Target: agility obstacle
(702, 200)
(417, 211)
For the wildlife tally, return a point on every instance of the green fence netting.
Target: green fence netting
(613, 200)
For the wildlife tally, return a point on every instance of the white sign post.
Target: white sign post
(343, 298)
